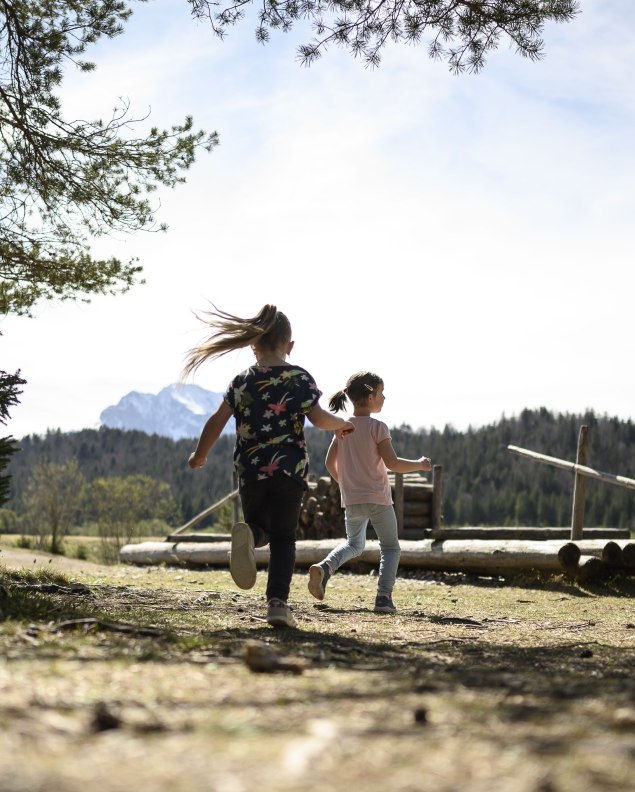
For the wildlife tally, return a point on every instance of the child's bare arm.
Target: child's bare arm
(331, 459)
(325, 420)
(210, 434)
(398, 464)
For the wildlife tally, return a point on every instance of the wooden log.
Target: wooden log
(319, 521)
(420, 532)
(415, 477)
(596, 546)
(323, 485)
(154, 552)
(612, 554)
(591, 569)
(416, 521)
(417, 492)
(417, 509)
(529, 533)
(199, 537)
(418, 486)
(569, 556)
(474, 556)
(628, 554)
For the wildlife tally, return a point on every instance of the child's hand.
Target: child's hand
(195, 462)
(426, 463)
(345, 430)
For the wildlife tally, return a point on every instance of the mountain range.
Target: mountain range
(177, 411)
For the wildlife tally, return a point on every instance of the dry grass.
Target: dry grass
(475, 684)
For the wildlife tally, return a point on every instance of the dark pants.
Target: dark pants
(271, 508)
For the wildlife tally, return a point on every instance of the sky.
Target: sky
(468, 238)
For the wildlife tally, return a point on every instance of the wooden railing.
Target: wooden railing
(581, 471)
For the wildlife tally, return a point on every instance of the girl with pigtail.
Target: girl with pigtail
(269, 401)
(360, 465)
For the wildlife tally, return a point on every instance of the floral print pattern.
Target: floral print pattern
(270, 404)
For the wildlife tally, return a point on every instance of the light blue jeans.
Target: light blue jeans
(384, 522)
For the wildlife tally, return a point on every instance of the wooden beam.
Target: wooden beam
(205, 513)
(477, 556)
(527, 532)
(609, 478)
(488, 556)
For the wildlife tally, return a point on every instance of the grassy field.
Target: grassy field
(128, 678)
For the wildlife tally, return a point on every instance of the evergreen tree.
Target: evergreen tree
(9, 392)
(461, 31)
(483, 483)
(65, 182)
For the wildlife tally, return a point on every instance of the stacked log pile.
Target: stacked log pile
(597, 560)
(322, 516)
(413, 499)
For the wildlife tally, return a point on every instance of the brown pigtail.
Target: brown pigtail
(337, 402)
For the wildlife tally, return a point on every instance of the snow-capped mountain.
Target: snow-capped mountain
(177, 411)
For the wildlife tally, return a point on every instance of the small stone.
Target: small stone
(421, 715)
(104, 719)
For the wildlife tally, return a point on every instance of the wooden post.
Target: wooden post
(399, 502)
(579, 487)
(437, 497)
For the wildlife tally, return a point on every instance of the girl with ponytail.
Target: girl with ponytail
(269, 401)
(360, 466)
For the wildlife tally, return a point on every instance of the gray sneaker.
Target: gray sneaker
(242, 559)
(319, 575)
(279, 614)
(384, 604)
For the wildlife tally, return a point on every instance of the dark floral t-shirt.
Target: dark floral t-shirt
(269, 405)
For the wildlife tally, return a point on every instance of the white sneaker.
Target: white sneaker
(319, 575)
(279, 614)
(242, 559)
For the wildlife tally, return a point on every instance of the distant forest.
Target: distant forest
(483, 482)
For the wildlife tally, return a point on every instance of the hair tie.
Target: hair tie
(345, 390)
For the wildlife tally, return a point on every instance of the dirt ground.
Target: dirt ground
(151, 678)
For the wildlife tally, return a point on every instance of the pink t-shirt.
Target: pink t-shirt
(363, 476)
